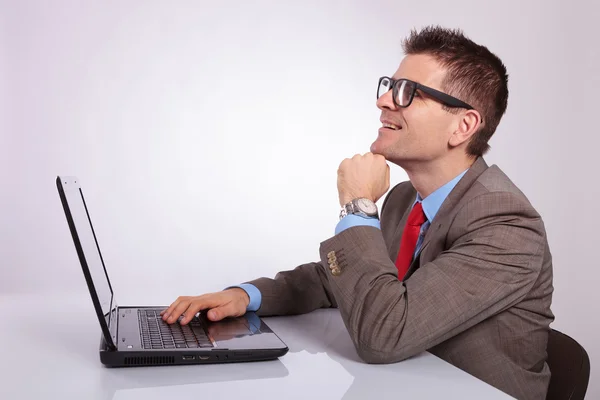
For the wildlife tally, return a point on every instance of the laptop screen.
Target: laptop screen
(88, 249)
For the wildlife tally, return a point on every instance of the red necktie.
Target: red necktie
(416, 218)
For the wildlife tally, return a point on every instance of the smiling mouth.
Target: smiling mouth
(391, 126)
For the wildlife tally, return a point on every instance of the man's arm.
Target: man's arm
(289, 279)
(492, 263)
(298, 291)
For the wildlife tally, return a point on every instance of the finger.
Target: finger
(343, 164)
(179, 309)
(199, 304)
(166, 313)
(218, 313)
(163, 312)
(379, 157)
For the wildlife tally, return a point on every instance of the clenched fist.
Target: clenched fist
(365, 176)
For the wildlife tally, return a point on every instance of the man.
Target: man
(458, 261)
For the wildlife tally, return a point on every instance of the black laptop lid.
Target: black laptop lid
(86, 244)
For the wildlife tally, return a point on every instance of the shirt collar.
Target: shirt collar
(433, 202)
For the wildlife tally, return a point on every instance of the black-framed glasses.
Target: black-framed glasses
(403, 92)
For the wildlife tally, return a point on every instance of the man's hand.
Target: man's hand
(228, 303)
(365, 176)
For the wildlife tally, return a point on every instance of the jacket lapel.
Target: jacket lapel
(440, 223)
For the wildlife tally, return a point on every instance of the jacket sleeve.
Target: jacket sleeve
(298, 291)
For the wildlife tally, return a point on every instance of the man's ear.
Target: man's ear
(468, 124)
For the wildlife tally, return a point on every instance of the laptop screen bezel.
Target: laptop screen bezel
(109, 322)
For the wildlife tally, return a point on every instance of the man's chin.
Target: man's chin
(376, 148)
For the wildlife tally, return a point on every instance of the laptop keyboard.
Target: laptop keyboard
(157, 334)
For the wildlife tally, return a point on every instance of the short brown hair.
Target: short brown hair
(474, 75)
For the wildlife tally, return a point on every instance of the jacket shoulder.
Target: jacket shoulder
(494, 180)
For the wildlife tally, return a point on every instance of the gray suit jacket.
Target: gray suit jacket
(478, 295)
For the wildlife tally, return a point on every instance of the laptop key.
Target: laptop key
(180, 346)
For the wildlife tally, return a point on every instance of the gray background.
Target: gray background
(191, 122)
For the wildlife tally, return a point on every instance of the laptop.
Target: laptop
(137, 335)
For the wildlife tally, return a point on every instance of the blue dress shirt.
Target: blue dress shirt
(431, 205)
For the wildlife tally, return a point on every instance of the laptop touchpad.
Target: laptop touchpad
(230, 328)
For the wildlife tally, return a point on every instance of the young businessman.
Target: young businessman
(457, 261)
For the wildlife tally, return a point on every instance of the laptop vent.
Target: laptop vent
(150, 360)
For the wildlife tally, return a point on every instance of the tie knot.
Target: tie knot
(417, 216)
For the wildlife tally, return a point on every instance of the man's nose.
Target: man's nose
(386, 101)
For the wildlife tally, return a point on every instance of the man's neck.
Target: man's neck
(428, 177)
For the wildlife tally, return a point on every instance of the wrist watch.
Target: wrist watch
(363, 207)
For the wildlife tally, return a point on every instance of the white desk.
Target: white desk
(50, 350)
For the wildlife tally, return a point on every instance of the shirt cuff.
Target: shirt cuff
(352, 220)
(253, 294)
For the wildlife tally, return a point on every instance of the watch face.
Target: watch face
(366, 206)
